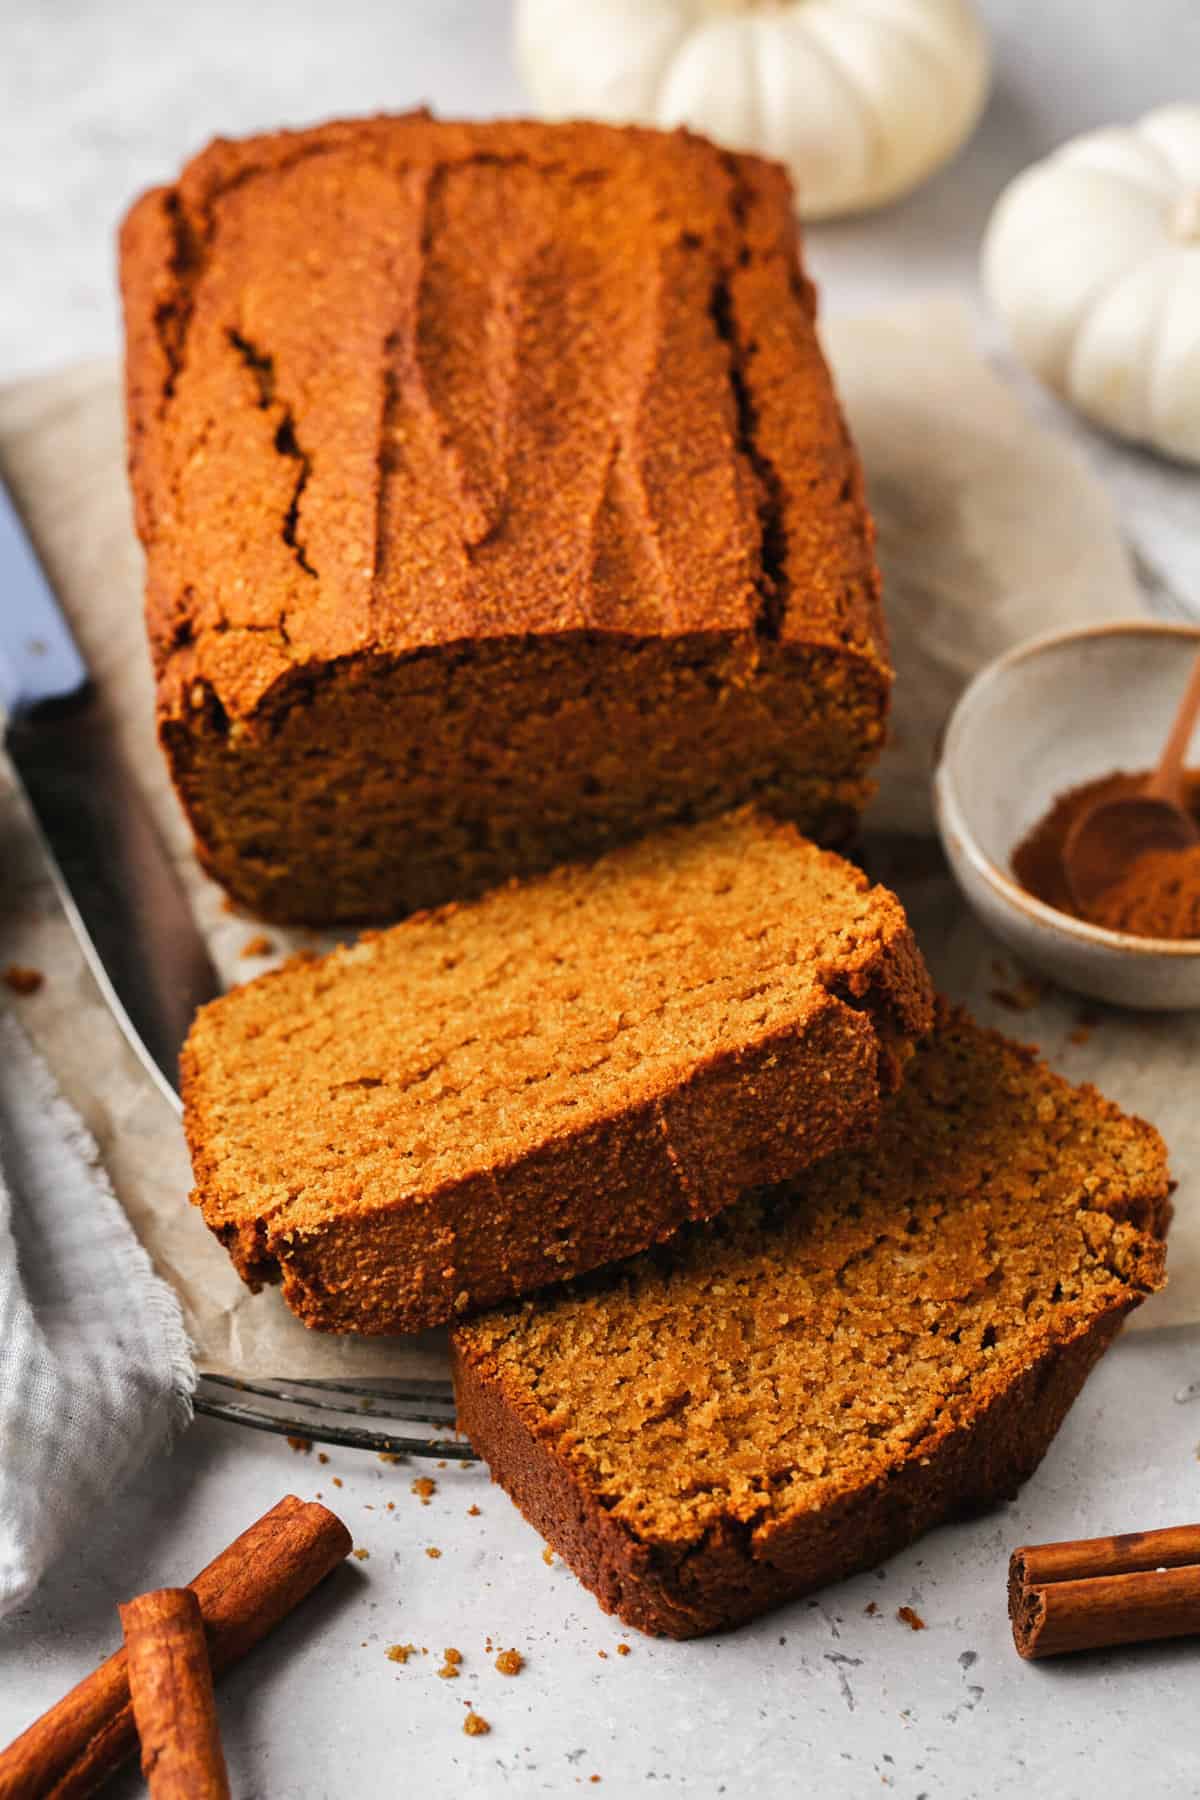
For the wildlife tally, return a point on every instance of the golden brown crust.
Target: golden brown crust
(797, 1390)
(470, 415)
(490, 1097)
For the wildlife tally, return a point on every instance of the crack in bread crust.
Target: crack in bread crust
(555, 408)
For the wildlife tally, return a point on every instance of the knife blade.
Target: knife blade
(117, 884)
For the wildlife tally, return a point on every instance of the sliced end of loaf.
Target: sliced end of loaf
(800, 1387)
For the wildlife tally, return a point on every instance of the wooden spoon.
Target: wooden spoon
(1105, 840)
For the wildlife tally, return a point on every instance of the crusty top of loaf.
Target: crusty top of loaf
(397, 383)
(459, 1041)
(810, 1340)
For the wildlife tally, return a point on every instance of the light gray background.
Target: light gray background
(97, 101)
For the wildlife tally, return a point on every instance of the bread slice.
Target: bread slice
(494, 1096)
(799, 1388)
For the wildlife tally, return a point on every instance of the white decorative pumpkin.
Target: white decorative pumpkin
(860, 98)
(1092, 260)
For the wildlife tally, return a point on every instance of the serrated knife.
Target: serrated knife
(116, 881)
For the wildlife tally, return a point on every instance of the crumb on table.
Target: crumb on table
(474, 1726)
(433, 1551)
(548, 1557)
(1022, 997)
(450, 1664)
(301, 1445)
(424, 1487)
(510, 1662)
(400, 1653)
(361, 1554)
(622, 1649)
(23, 980)
(912, 1619)
(472, 1512)
(259, 945)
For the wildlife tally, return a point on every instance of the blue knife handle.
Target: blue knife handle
(39, 659)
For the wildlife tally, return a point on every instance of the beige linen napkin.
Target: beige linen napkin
(990, 531)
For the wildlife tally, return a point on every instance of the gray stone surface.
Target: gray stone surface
(821, 1698)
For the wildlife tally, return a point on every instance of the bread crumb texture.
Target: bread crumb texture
(831, 1340)
(475, 1726)
(498, 1095)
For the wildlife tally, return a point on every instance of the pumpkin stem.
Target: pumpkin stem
(1185, 221)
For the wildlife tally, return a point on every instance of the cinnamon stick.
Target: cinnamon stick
(171, 1692)
(243, 1595)
(1092, 1593)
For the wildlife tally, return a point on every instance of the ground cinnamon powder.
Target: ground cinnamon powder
(1158, 895)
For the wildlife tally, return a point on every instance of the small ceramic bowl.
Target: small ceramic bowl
(1044, 718)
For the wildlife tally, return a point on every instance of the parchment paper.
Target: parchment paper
(990, 531)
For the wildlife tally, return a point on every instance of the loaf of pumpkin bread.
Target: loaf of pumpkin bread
(798, 1388)
(489, 1097)
(497, 506)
